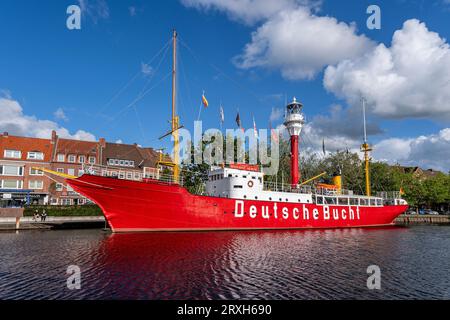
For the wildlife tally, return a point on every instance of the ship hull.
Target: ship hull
(132, 206)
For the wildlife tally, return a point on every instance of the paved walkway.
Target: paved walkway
(27, 223)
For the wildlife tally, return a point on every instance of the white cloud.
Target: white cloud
(60, 114)
(251, 11)
(411, 79)
(301, 44)
(15, 122)
(119, 141)
(431, 151)
(276, 114)
(146, 69)
(95, 9)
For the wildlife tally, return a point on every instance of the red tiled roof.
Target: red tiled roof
(78, 147)
(25, 145)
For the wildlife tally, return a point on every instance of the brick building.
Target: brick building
(20, 183)
(71, 157)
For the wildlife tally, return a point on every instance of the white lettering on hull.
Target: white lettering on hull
(297, 212)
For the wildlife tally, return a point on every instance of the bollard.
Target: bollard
(17, 223)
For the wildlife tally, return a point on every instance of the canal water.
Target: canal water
(314, 264)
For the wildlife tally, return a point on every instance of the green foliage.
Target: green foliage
(64, 211)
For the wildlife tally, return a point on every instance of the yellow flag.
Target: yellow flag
(204, 101)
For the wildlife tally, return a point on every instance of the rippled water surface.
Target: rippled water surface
(319, 264)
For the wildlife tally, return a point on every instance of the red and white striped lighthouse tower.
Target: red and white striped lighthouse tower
(294, 120)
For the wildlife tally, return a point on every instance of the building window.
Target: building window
(129, 175)
(81, 159)
(71, 158)
(34, 172)
(11, 171)
(61, 157)
(121, 175)
(36, 184)
(54, 201)
(35, 155)
(60, 170)
(80, 173)
(92, 160)
(136, 176)
(71, 172)
(11, 184)
(14, 154)
(59, 187)
(66, 202)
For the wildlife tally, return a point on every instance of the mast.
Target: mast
(366, 149)
(175, 118)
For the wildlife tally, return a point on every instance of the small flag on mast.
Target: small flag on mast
(238, 121)
(204, 101)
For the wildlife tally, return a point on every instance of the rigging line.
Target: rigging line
(139, 124)
(140, 97)
(186, 83)
(217, 69)
(153, 73)
(131, 80)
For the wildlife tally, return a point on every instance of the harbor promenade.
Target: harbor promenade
(53, 223)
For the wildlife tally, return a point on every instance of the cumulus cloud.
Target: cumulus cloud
(14, 121)
(251, 11)
(60, 114)
(344, 122)
(289, 42)
(431, 151)
(409, 79)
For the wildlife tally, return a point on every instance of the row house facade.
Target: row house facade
(21, 184)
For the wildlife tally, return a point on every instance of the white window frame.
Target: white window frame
(61, 157)
(82, 157)
(13, 156)
(19, 171)
(37, 155)
(31, 182)
(36, 173)
(19, 184)
(72, 156)
(71, 171)
(59, 187)
(92, 159)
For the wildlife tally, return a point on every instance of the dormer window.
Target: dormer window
(71, 158)
(13, 154)
(35, 155)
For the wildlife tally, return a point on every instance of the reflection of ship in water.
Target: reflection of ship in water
(228, 265)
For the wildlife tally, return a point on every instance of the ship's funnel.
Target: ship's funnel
(294, 121)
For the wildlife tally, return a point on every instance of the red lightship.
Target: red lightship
(236, 197)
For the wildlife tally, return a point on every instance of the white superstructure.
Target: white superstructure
(247, 185)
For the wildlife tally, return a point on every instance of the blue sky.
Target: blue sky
(55, 78)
